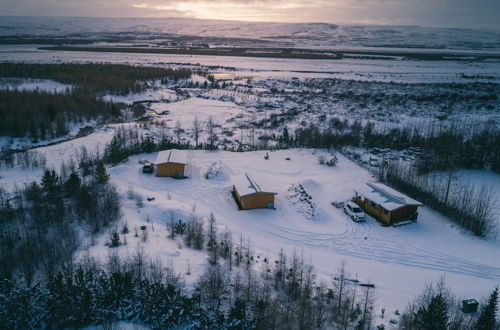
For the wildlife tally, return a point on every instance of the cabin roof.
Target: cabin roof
(246, 185)
(171, 156)
(385, 196)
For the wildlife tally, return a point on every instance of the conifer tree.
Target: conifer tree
(115, 153)
(237, 318)
(487, 318)
(72, 184)
(101, 176)
(115, 239)
(434, 316)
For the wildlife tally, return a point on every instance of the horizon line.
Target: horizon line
(249, 21)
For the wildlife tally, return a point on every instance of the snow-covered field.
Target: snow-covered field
(400, 261)
(395, 70)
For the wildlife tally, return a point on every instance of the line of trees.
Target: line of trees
(131, 141)
(95, 78)
(470, 206)
(461, 144)
(42, 115)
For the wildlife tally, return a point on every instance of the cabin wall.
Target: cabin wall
(256, 201)
(169, 169)
(403, 213)
(378, 212)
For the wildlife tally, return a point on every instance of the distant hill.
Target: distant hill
(165, 31)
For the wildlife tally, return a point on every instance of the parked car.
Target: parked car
(148, 167)
(354, 212)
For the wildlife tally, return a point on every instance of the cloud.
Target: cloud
(454, 13)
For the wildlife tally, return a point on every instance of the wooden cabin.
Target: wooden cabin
(386, 204)
(250, 195)
(171, 163)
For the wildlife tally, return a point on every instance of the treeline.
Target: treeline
(128, 142)
(41, 115)
(42, 222)
(471, 207)
(95, 78)
(458, 145)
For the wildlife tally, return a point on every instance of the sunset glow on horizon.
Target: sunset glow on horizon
(443, 13)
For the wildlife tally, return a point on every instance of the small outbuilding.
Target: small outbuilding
(386, 204)
(171, 163)
(250, 195)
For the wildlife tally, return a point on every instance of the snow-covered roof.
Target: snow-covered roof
(385, 196)
(246, 185)
(172, 156)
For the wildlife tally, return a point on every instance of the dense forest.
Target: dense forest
(41, 115)
(457, 145)
(239, 289)
(94, 78)
(42, 222)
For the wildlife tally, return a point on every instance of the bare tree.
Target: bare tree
(368, 300)
(196, 130)
(213, 287)
(171, 225)
(178, 131)
(212, 136)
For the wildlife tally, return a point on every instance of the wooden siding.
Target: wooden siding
(257, 200)
(403, 213)
(377, 211)
(169, 169)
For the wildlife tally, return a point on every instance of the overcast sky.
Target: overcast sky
(435, 13)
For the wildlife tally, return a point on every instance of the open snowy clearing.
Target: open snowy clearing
(400, 261)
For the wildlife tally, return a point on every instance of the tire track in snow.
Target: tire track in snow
(382, 247)
(380, 244)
